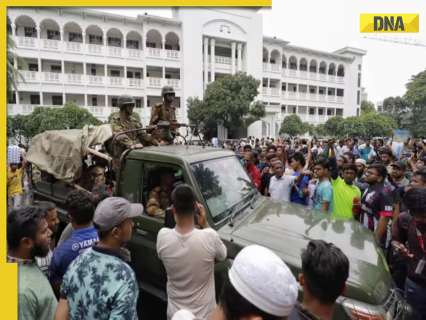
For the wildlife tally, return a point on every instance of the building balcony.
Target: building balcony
(115, 81)
(223, 60)
(172, 54)
(175, 83)
(74, 78)
(24, 109)
(135, 83)
(50, 44)
(339, 99)
(114, 51)
(26, 42)
(153, 53)
(29, 76)
(331, 98)
(340, 79)
(134, 53)
(321, 97)
(52, 77)
(96, 80)
(95, 49)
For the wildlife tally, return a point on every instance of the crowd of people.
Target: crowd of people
(86, 274)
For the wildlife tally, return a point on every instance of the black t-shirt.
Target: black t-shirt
(405, 232)
(377, 201)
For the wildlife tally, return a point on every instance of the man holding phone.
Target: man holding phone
(189, 255)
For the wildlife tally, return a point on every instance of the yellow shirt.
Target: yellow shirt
(343, 197)
(14, 182)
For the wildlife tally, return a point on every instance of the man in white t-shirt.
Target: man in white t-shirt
(189, 255)
(280, 185)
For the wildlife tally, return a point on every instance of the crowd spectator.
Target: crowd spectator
(409, 238)
(80, 210)
(398, 176)
(15, 172)
(366, 151)
(251, 168)
(300, 192)
(280, 185)
(377, 203)
(99, 284)
(361, 165)
(323, 194)
(260, 287)
(325, 269)
(28, 237)
(346, 195)
(51, 215)
(188, 255)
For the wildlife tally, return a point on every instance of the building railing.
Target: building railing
(175, 83)
(97, 80)
(75, 78)
(172, 54)
(29, 76)
(153, 52)
(154, 82)
(50, 44)
(95, 48)
(114, 51)
(134, 53)
(223, 60)
(73, 46)
(115, 81)
(52, 76)
(27, 42)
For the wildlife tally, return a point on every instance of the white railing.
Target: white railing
(264, 90)
(51, 76)
(134, 82)
(292, 72)
(291, 94)
(265, 67)
(28, 108)
(26, 42)
(154, 82)
(339, 99)
(94, 48)
(321, 97)
(28, 75)
(322, 77)
(303, 74)
(322, 119)
(222, 60)
(74, 78)
(340, 79)
(172, 54)
(114, 51)
(116, 81)
(275, 92)
(175, 83)
(313, 75)
(331, 98)
(50, 44)
(73, 46)
(312, 96)
(275, 67)
(332, 78)
(302, 95)
(134, 53)
(154, 52)
(284, 72)
(96, 80)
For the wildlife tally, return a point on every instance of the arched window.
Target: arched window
(293, 63)
(303, 64)
(313, 66)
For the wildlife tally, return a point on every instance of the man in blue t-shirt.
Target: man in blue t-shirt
(300, 192)
(80, 209)
(323, 195)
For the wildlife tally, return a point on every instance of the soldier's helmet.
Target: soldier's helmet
(167, 90)
(125, 100)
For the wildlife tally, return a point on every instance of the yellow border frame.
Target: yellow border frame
(8, 272)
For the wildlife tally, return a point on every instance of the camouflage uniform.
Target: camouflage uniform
(162, 113)
(127, 140)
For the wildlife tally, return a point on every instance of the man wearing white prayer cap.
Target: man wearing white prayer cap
(260, 287)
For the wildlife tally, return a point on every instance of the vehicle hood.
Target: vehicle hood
(287, 228)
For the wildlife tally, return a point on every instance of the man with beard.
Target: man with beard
(51, 216)
(28, 236)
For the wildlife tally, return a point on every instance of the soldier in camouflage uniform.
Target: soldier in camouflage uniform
(165, 112)
(125, 120)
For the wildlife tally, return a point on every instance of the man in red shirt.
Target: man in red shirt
(251, 168)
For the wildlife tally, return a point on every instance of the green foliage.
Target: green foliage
(332, 126)
(397, 108)
(378, 125)
(292, 125)
(416, 98)
(367, 107)
(42, 119)
(227, 101)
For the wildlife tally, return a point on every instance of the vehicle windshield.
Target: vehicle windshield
(223, 183)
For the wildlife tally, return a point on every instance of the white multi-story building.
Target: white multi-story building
(90, 57)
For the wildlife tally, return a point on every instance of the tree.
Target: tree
(292, 125)
(352, 127)
(23, 128)
(416, 97)
(378, 125)
(332, 126)
(367, 107)
(397, 108)
(227, 101)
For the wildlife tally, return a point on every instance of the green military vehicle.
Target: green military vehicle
(242, 217)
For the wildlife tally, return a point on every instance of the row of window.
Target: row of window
(312, 110)
(303, 88)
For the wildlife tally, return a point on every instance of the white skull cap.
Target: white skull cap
(263, 279)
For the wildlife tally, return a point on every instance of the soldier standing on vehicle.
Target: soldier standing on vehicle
(165, 112)
(125, 120)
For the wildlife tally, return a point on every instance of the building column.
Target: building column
(83, 36)
(61, 33)
(206, 62)
(125, 73)
(85, 99)
(38, 32)
(233, 46)
(41, 98)
(212, 57)
(17, 97)
(84, 69)
(13, 26)
(63, 97)
(105, 71)
(40, 69)
(106, 100)
(239, 57)
(63, 67)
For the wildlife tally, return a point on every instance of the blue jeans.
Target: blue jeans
(416, 297)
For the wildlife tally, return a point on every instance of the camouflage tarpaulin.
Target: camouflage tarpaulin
(60, 152)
